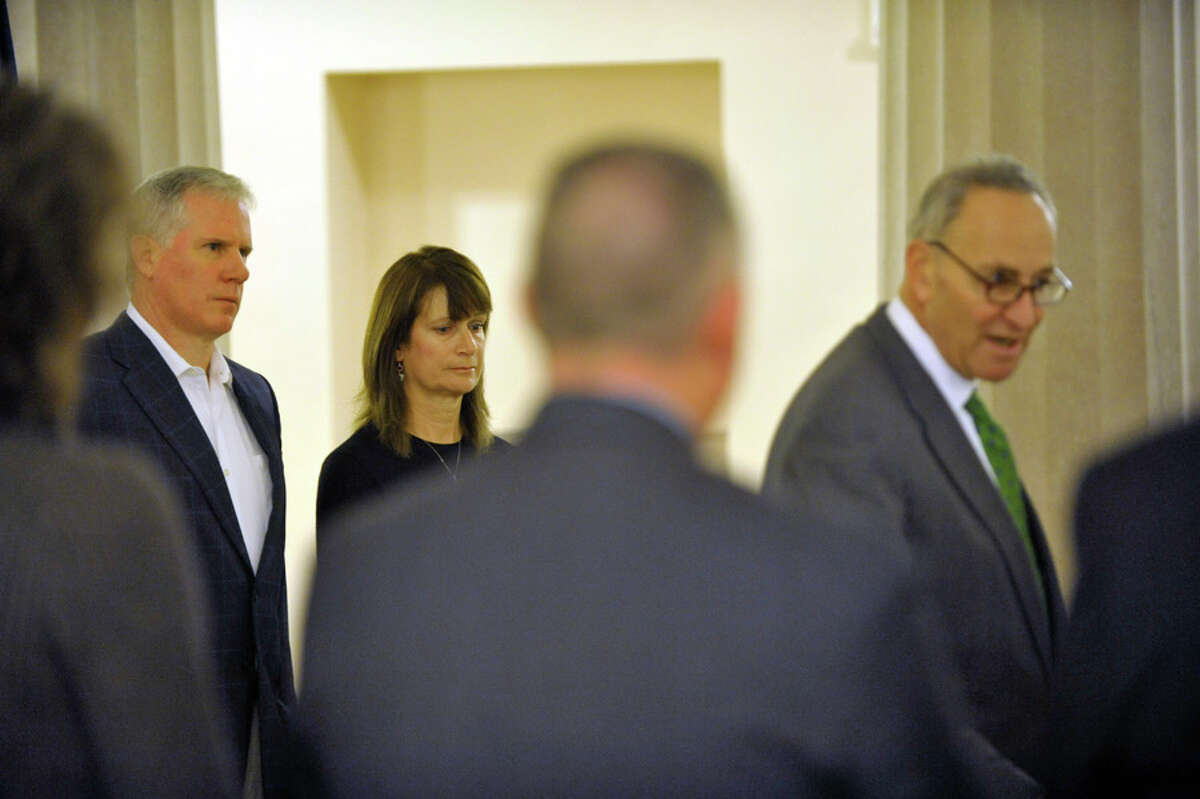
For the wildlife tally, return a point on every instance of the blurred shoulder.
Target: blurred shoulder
(844, 544)
(1141, 492)
(1161, 454)
(78, 494)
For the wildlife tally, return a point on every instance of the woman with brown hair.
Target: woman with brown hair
(421, 406)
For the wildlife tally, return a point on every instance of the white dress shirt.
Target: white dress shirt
(242, 460)
(954, 388)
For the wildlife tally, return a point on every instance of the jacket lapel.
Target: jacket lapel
(1056, 608)
(963, 470)
(158, 393)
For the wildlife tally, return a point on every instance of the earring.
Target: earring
(400, 370)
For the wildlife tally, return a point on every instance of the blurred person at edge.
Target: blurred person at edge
(105, 687)
(1125, 710)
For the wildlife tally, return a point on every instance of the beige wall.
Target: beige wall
(798, 125)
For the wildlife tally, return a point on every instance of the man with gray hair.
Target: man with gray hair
(156, 380)
(890, 424)
(593, 613)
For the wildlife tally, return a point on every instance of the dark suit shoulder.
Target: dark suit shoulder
(632, 609)
(97, 361)
(109, 359)
(844, 441)
(845, 392)
(824, 545)
(1166, 454)
(1144, 489)
(118, 343)
(252, 380)
(34, 468)
(91, 506)
(100, 619)
(95, 345)
(1127, 704)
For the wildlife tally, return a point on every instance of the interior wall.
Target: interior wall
(798, 121)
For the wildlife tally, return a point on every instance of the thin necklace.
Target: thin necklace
(457, 459)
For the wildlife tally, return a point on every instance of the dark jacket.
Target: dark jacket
(129, 394)
(106, 686)
(870, 431)
(1126, 719)
(592, 614)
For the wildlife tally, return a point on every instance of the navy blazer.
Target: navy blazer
(592, 614)
(869, 429)
(1127, 704)
(130, 394)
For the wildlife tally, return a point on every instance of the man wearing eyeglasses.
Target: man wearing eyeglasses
(890, 424)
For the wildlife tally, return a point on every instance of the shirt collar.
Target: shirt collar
(955, 388)
(218, 368)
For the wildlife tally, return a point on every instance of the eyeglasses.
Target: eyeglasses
(1006, 288)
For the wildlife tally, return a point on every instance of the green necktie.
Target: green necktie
(999, 454)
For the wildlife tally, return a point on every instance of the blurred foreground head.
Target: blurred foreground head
(635, 274)
(61, 198)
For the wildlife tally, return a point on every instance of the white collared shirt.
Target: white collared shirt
(954, 388)
(242, 459)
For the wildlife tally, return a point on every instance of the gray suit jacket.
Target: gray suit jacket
(591, 614)
(130, 395)
(105, 687)
(869, 429)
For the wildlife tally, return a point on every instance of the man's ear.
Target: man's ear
(721, 320)
(529, 301)
(918, 270)
(144, 251)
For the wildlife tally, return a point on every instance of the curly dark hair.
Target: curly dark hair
(61, 185)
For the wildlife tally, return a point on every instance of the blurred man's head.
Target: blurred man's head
(980, 265)
(62, 199)
(637, 261)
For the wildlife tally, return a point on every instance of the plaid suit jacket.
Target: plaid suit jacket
(129, 394)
